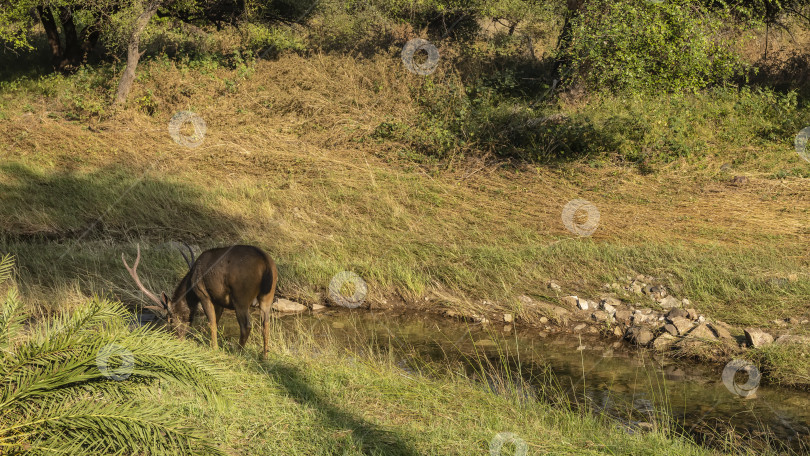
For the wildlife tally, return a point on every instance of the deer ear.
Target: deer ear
(165, 299)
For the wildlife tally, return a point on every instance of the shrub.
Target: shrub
(642, 45)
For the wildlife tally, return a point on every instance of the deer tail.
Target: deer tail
(269, 279)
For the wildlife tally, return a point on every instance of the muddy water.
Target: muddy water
(638, 390)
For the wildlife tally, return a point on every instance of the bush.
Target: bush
(621, 45)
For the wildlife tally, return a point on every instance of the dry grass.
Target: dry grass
(288, 162)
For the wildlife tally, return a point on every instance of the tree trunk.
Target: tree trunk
(52, 33)
(573, 8)
(72, 53)
(68, 56)
(133, 51)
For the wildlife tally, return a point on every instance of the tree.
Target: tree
(133, 50)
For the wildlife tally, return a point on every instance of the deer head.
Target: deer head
(164, 307)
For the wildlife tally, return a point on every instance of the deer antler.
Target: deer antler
(133, 271)
(191, 252)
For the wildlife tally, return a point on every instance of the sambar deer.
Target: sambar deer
(223, 278)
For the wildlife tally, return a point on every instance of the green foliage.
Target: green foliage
(256, 37)
(15, 22)
(641, 45)
(59, 396)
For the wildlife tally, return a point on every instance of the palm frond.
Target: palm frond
(11, 321)
(52, 380)
(6, 267)
(108, 427)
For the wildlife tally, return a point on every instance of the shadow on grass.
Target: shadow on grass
(108, 203)
(68, 229)
(370, 438)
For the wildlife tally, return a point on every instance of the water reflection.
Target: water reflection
(641, 391)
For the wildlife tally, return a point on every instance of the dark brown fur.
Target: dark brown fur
(223, 278)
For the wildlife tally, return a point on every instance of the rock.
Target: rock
(554, 286)
(683, 325)
(543, 320)
(692, 314)
(645, 316)
(677, 312)
(755, 337)
(701, 331)
(618, 331)
(671, 329)
(686, 302)
(525, 300)
(285, 305)
(610, 300)
(507, 328)
(639, 335)
(479, 319)
(555, 312)
(623, 315)
(644, 337)
(720, 331)
(664, 341)
(658, 291)
(601, 315)
(570, 301)
(636, 288)
(583, 304)
(792, 339)
(701, 319)
(669, 302)
(542, 334)
(508, 318)
(580, 327)
(608, 308)
(639, 317)
(317, 307)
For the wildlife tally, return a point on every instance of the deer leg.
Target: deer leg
(218, 312)
(210, 312)
(265, 305)
(243, 317)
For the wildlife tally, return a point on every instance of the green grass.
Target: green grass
(291, 164)
(313, 398)
(333, 163)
